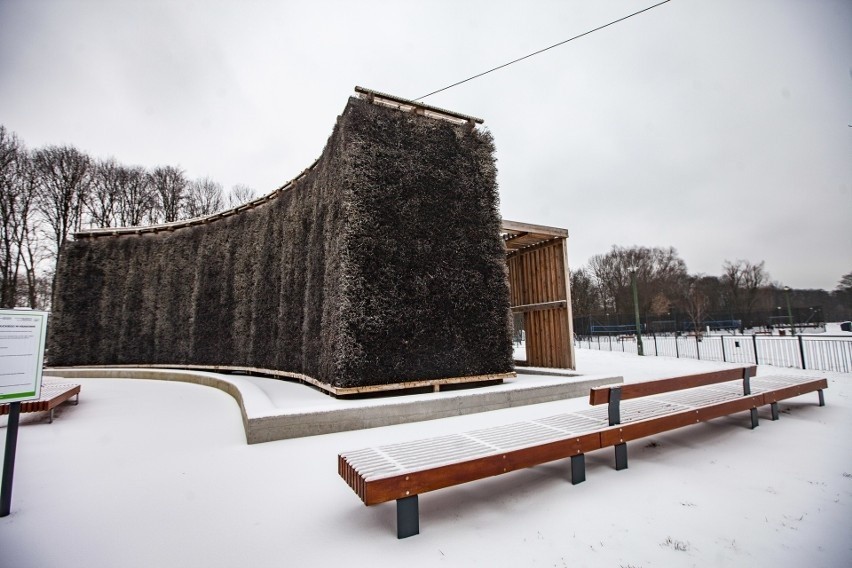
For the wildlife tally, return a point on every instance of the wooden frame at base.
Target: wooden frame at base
(341, 392)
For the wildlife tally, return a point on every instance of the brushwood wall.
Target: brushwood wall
(383, 264)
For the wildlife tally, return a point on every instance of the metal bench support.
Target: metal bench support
(407, 517)
(774, 408)
(620, 456)
(821, 397)
(614, 407)
(578, 469)
(754, 422)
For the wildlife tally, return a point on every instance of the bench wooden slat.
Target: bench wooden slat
(416, 482)
(793, 391)
(600, 395)
(52, 395)
(643, 428)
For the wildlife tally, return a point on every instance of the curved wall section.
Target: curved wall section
(382, 264)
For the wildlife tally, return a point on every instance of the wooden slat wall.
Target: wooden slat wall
(536, 276)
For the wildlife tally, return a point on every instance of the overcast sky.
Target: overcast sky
(718, 127)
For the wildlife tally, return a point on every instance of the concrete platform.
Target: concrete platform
(274, 409)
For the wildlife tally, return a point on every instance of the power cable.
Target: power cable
(543, 50)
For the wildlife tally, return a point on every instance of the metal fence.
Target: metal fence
(822, 353)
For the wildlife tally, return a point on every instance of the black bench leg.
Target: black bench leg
(407, 517)
(578, 469)
(754, 418)
(620, 456)
(774, 407)
(821, 397)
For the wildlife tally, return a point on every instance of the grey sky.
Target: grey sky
(719, 128)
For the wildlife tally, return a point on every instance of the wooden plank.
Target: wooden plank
(534, 247)
(47, 401)
(793, 391)
(564, 340)
(371, 94)
(730, 407)
(415, 483)
(537, 307)
(571, 364)
(647, 388)
(516, 226)
(174, 225)
(640, 429)
(644, 428)
(332, 390)
(524, 240)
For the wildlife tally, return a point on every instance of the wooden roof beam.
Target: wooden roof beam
(517, 227)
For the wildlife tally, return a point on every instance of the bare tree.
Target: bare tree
(204, 197)
(105, 193)
(584, 294)
(169, 186)
(608, 280)
(843, 291)
(659, 274)
(32, 248)
(137, 200)
(696, 300)
(62, 181)
(744, 283)
(15, 203)
(240, 194)
(22, 251)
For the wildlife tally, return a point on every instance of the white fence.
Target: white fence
(823, 352)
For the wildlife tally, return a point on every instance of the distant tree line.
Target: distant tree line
(743, 290)
(49, 193)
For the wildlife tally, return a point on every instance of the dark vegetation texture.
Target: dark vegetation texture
(383, 265)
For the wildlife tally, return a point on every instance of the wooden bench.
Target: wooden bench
(402, 471)
(52, 395)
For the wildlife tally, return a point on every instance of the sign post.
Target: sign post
(22, 336)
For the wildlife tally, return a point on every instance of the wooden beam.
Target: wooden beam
(329, 389)
(540, 306)
(120, 231)
(600, 395)
(550, 241)
(418, 107)
(518, 227)
(377, 491)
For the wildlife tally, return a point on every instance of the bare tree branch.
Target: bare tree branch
(240, 194)
(204, 197)
(169, 185)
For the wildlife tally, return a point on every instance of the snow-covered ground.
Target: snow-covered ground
(149, 473)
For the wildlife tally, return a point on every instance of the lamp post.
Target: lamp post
(633, 270)
(789, 310)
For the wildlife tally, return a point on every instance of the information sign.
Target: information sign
(22, 336)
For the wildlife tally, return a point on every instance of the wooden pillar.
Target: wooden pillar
(540, 289)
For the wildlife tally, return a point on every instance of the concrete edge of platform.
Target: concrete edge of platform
(263, 422)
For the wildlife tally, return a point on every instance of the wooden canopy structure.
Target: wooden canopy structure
(539, 288)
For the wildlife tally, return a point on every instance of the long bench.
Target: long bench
(52, 395)
(402, 471)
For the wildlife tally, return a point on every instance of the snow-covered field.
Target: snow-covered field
(158, 474)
